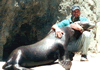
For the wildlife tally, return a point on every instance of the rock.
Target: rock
(98, 36)
(24, 22)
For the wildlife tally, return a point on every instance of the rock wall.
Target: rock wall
(98, 37)
(24, 22)
(89, 8)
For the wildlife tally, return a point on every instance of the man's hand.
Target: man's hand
(76, 26)
(58, 31)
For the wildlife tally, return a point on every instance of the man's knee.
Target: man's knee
(86, 34)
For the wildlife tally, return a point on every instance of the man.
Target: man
(82, 43)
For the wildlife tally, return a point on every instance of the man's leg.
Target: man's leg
(81, 44)
(86, 36)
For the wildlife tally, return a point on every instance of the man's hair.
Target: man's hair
(75, 7)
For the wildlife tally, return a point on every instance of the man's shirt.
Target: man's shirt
(68, 21)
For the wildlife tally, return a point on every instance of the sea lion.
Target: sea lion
(45, 51)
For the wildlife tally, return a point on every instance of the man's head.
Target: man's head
(76, 11)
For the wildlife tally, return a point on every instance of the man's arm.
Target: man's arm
(59, 32)
(76, 26)
(86, 23)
